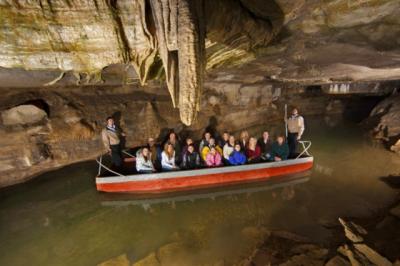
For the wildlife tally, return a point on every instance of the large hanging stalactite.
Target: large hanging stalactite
(191, 37)
(164, 22)
(181, 37)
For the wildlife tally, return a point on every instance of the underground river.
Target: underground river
(60, 219)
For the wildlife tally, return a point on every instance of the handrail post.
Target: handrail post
(305, 148)
(101, 159)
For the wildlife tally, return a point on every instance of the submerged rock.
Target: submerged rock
(149, 260)
(337, 261)
(121, 260)
(353, 231)
(372, 255)
(395, 211)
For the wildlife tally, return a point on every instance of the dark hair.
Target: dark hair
(109, 117)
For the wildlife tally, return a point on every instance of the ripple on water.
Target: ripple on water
(60, 219)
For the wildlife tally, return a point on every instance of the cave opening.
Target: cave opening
(313, 90)
(39, 103)
(358, 108)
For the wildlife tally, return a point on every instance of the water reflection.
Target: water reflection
(285, 183)
(60, 218)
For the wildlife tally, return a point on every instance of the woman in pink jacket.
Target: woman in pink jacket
(213, 158)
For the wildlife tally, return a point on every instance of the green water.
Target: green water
(60, 219)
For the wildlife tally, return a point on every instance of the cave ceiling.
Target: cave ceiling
(184, 43)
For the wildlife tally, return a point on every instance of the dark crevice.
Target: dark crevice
(120, 30)
(39, 103)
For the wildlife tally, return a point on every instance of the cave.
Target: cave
(39, 103)
(301, 100)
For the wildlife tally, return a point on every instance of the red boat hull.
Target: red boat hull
(187, 180)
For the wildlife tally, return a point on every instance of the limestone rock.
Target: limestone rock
(353, 231)
(396, 147)
(396, 211)
(150, 260)
(337, 261)
(346, 251)
(22, 115)
(121, 260)
(372, 255)
(387, 117)
(303, 260)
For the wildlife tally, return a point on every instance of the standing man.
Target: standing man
(295, 131)
(111, 137)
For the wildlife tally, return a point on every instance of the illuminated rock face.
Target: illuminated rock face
(86, 36)
(325, 41)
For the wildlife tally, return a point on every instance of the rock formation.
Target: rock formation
(230, 61)
(385, 120)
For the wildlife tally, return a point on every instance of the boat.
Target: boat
(163, 182)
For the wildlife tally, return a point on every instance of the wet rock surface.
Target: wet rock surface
(62, 125)
(385, 122)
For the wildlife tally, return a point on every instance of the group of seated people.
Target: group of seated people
(209, 152)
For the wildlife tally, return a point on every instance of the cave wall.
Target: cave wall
(241, 61)
(43, 129)
(302, 41)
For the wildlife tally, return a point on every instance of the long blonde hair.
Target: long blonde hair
(169, 154)
(252, 143)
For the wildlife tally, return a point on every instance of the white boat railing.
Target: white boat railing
(101, 165)
(306, 144)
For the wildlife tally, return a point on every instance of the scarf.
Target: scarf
(113, 129)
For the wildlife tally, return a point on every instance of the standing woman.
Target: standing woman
(244, 139)
(168, 158)
(253, 151)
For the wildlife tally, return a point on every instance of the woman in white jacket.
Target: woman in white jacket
(143, 161)
(168, 158)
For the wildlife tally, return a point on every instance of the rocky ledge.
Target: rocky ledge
(385, 122)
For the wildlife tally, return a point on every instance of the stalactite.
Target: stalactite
(191, 58)
(142, 57)
(163, 17)
(180, 34)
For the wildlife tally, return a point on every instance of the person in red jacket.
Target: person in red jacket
(253, 151)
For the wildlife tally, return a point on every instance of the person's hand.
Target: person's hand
(277, 159)
(123, 134)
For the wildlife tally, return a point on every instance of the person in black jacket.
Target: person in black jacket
(191, 159)
(265, 144)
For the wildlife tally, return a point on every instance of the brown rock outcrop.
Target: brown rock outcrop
(385, 120)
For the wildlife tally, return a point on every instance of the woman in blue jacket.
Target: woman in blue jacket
(237, 157)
